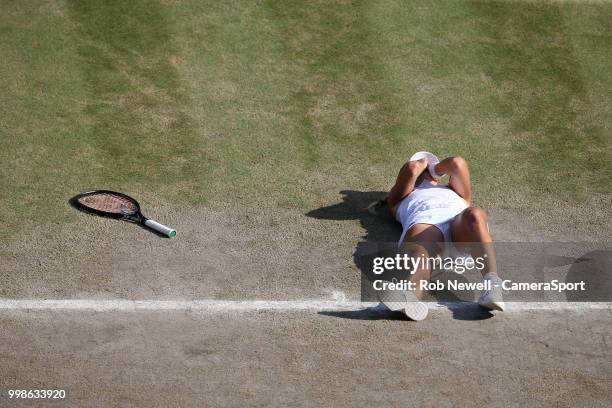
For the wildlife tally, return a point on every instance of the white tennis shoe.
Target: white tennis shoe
(492, 298)
(403, 301)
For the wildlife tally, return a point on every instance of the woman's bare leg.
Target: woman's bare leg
(422, 240)
(471, 227)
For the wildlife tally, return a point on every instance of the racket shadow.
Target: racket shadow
(73, 203)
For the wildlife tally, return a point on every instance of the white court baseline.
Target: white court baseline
(339, 302)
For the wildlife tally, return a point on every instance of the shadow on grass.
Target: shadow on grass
(370, 313)
(383, 228)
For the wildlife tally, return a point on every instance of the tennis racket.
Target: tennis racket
(117, 205)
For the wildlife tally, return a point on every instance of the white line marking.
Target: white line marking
(173, 305)
(211, 305)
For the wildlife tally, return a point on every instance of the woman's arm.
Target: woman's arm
(457, 169)
(407, 177)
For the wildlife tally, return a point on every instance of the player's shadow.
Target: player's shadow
(460, 311)
(381, 227)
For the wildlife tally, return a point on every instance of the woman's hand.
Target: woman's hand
(418, 166)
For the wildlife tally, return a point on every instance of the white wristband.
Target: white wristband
(432, 171)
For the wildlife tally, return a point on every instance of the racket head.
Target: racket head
(107, 203)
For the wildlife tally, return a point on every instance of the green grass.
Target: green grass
(290, 102)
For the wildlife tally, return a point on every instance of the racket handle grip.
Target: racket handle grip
(162, 229)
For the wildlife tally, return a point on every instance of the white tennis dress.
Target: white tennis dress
(430, 204)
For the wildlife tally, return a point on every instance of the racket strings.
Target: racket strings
(109, 203)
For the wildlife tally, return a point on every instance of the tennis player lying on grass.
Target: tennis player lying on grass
(431, 213)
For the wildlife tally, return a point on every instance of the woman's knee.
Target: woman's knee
(475, 217)
(416, 249)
